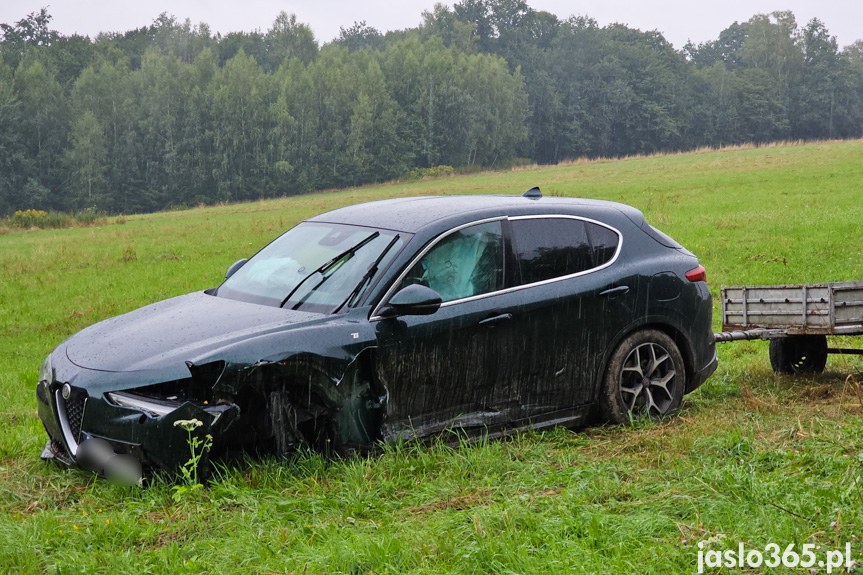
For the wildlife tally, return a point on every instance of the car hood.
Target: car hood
(180, 329)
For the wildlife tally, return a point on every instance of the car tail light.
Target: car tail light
(699, 274)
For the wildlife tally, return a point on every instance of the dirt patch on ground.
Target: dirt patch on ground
(460, 503)
(818, 392)
(477, 499)
(165, 538)
(848, 396)
(753, 402)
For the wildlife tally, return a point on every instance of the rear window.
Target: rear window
(549, 248)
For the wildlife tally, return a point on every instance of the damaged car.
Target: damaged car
(393, 320)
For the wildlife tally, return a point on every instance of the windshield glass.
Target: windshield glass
(314, 267)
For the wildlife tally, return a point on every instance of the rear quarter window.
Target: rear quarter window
(603, 241)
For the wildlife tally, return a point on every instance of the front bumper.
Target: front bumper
(154, 440)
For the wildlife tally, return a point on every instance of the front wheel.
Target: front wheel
(798, 354)
(645, 376)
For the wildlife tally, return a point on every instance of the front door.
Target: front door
(438, 369)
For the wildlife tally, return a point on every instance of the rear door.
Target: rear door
(573, 302)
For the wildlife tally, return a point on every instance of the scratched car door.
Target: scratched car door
(437, 368)
(568, 311)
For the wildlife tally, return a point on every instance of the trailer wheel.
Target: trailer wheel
(799, 354)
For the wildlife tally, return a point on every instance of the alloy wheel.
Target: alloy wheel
(647, 380)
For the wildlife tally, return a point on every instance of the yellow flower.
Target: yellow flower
(75, 527)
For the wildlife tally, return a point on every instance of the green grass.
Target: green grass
(753, 457)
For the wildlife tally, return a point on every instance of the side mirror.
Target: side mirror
(413, 300)
(235, 266)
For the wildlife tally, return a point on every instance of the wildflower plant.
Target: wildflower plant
(28, 218)
(197, 448)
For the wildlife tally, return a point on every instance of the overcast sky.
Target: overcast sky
(678, 20)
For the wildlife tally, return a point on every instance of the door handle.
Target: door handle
(494, 320)
(616, 291)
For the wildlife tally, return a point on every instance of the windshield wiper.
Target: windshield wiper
(367, 276)
(327, 265)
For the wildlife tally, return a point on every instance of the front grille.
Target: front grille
(75, 414)
(71, 414)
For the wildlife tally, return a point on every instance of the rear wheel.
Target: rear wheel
(799, 354)
(645, 376)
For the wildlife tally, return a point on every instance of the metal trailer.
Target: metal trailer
(795, 318)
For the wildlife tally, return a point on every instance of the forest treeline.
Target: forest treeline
(171, 114)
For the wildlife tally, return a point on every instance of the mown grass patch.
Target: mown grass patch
(753, 457)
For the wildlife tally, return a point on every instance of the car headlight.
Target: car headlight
(153, 407)
(46, 372)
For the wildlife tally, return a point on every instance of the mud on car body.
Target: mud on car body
(397, 319)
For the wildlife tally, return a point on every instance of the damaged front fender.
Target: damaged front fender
(312, 401)
(251, 394)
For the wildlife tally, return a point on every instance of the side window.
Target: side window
(604, 242)
(463, 264)
(548, 248)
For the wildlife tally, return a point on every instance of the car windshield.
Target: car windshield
(316, 267)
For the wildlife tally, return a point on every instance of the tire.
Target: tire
(645, 377)
(798, 354)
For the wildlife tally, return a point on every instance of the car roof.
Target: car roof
(413, 214)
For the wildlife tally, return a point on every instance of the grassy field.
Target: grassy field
(753, 457)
